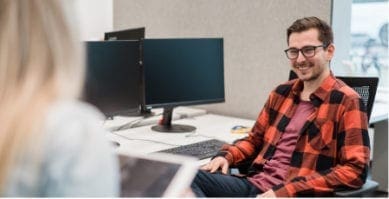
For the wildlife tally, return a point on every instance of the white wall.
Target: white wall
(341, 20)
(95, 18)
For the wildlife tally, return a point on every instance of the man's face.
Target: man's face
(310, 68)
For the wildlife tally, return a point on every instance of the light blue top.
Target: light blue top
(78, 160)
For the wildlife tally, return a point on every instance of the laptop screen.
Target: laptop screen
(156, 175)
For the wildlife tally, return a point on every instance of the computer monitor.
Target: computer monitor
(113, 77)
(127, 34)
(182, 72)
(132, 34)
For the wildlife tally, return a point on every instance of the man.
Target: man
(311, 137)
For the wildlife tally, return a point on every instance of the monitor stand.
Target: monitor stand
(166, 125)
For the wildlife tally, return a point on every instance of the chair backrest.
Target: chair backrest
(366, 87)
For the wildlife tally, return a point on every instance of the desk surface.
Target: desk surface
(380, 107)
(380, 112)
(144, 140)
(127, 122)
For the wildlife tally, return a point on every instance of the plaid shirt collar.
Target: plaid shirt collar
(320, 93)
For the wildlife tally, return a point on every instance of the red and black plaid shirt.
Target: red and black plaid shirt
(332, 150)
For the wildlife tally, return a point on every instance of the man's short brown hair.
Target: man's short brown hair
(325, 31)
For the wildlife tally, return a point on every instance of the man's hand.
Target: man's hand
(215, 164)
(268, 194)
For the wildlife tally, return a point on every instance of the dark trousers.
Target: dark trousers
(208, 184)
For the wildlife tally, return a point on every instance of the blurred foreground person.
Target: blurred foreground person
(51, 144)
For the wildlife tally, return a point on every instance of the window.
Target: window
(368, 53)
(361, 41)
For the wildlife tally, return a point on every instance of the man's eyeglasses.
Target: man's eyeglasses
(307, 51)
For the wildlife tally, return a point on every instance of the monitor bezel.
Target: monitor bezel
(191, 102)
(139, 30)
(129, 111)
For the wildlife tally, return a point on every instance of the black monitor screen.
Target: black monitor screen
(127, 34)
(113, 76)
(183, 71)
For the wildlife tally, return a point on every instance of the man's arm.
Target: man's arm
(249, 146)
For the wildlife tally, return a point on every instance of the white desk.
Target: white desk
(144, 140)
(379, 121)
(178, 113)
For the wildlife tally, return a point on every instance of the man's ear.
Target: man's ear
(330, 52)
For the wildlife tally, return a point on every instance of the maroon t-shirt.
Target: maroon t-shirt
(275, 169)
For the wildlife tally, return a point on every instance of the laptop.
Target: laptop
(156, 175)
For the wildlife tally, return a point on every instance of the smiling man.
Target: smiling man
(310, 138)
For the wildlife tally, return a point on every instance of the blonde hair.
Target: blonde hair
(40, 62)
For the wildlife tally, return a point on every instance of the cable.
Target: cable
(195, 134)
(133, 123)
(140, 139)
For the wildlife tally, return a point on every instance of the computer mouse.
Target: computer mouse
(239, 129)
(116, 144)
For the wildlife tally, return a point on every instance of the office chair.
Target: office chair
(366, 87)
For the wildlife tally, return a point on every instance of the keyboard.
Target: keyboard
(200, 150)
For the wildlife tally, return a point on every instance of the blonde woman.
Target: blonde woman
(50, 143)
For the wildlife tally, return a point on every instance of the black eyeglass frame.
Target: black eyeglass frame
(302, 51)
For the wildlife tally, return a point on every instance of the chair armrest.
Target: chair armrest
(367, 189)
